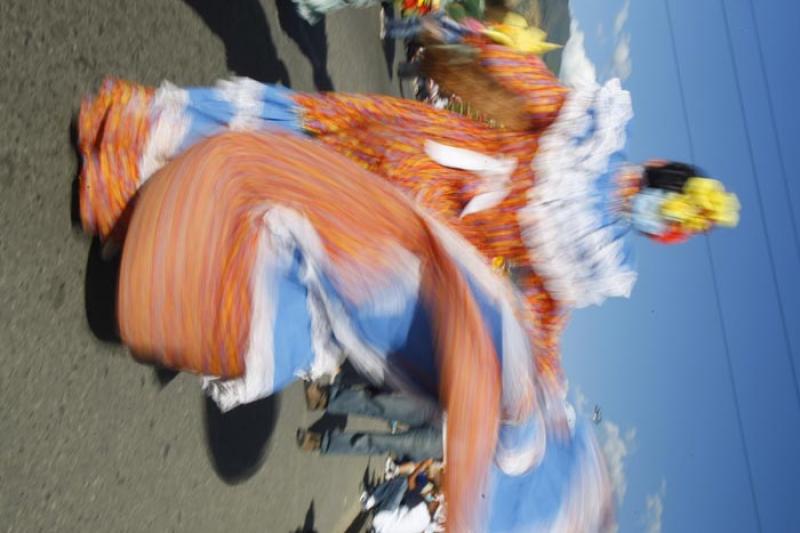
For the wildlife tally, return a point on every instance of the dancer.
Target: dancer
(546, 187)
(254, 258)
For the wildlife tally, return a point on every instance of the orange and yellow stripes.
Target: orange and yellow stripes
(189, 258)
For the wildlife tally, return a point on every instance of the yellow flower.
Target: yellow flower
(515, 33)
(696, 223)
(703, 203)
(710, 196)
(677, 207)
(727, 212)
(498, 264)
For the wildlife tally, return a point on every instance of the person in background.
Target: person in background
(409, 500)
(422, 437)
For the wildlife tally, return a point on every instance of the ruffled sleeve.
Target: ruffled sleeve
(574, 233)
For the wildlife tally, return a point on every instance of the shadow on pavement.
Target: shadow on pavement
(308, 523)
(238, 441)
(369, 481)
(329, 422)
(242, 27)
(75, 198)
(100, 280)
(359, 524)
(164, 376)
(100, 293)
(311, 39)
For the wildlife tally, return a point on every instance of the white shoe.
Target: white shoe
(383, 23)
(390, 470)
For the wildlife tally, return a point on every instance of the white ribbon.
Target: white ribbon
(495, 173)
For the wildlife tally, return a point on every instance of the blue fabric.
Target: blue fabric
(647, 211)
(292, 333)
(522, 503)
(416, 357)
(517, 437)
(209, 112)
(516, 503)
(406, 336)
(605, 190)
(492, 317)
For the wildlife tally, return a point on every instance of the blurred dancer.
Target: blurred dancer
(255, 258)
(545, 186)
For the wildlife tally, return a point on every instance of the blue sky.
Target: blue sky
(713, 323)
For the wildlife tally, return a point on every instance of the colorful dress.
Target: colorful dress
(562, 154)
(257, 258)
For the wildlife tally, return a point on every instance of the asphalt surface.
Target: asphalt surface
(89, 439)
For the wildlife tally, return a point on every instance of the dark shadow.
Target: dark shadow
(350, 377)
(329, 422)
(359, 524)
(308, 523)
(242, 27)
(102, 275)
(311, 39)
(370, 479)
(238, 440)
(389, 44)
(100, 293)
(416, 359)
(75, 198)
(164, 376)
(75, 204)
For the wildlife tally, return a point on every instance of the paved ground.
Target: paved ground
(90, 440)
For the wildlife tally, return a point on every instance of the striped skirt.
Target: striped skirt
(253, 259)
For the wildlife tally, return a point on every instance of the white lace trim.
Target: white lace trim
(581, 262)
(286, 230)
(258, 380)
(247, 98)
(589, 497)
(494, 173)
(169, 128)
(516, 461)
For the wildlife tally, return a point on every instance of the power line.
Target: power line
(760, 198)
(726, 346)
(771, 108)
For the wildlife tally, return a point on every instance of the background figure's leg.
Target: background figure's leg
(417, 444)
(404, 408)
(408, 70)
(388, 495)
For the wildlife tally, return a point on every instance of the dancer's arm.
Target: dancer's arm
(527, 76)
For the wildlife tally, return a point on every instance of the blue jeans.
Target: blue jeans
(421, 441)
(389, 495)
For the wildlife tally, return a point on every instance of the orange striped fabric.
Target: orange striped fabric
(113, 128)
(384, 135)
(527, 76)
(188, 263)
(387, 136)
